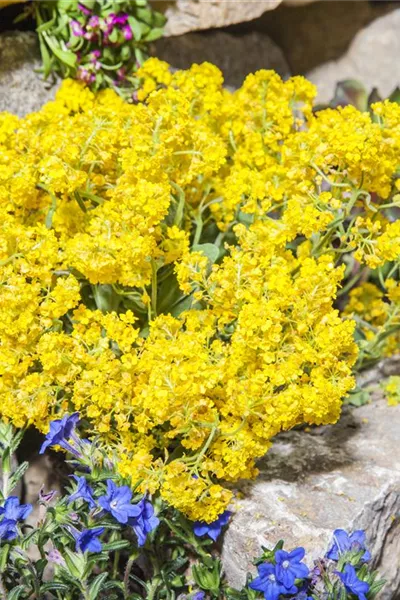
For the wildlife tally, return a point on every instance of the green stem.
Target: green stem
(181, 204)
(154, 289)
(199, 230)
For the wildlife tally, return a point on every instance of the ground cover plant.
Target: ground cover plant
(103, 539)
(100, 43)
(191, 273)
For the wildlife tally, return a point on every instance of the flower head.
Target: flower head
(76, 28)
(145, 522)
(117, 501)
(14, 511)
(60, 432)
(88, 541)
(213, 530)
(54, 556)
(83, 491)
(344, 542)
(8, 530)
(127, 32)
(352, 583)
(267, 583)
(288, 566)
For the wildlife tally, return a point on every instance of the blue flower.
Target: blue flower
(214, 529)
(60, 432)
(352, 583)
(117, 501)
(302, 596)
(88, 541)
(83, 491)
(288, 566)
(343, 542)
(268, 584)
(14, 511)
(198, 596)
(8, 530)
(144, 522)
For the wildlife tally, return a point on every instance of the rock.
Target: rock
(192, 15)
(314, 481)
(297, 2)
(40, 476)
(319, 32)
(235, 55)
(22, 90)
(369, 59)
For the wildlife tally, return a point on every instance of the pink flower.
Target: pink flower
(85, 10)
(76, 28)
(85, 75)
(127, 31)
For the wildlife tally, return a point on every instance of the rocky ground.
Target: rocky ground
(311, 482)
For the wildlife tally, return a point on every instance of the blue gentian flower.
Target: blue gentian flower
(88, 541)
(14, 511)
(344, 542)
(145, 522)
(268, 584)
(352, 583)
(83, 491)
(213, 529)
(288, 566)
(61, 430)
(8, 530)
(117, 501)
(198, 596)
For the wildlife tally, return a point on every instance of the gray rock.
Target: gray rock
(319, 32)
(314, 481)
(191, 15)
(235, 55)
(40, 475)
(22, 89)
(369, 59)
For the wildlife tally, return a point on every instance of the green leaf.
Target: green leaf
(17, 475)
(395, 96)
(95, 586)
(154, 34)
(65, 56)
(376, 588)
(136, 28)
(107, 300)
(374, 96)
(51, 211)
(75, 563)
(145, 14)
(358, 397)
(46, 59)
(351, 92)
(209, 250)
(16, 592)
(117, 545)
(3, 557)
(88, 3)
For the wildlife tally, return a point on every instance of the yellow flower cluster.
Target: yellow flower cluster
(377, 314)
(169, 268)
(392, 390)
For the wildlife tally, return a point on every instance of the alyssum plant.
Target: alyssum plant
(104, 539)
(188, 272)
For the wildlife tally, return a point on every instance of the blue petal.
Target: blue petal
(297, 554)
